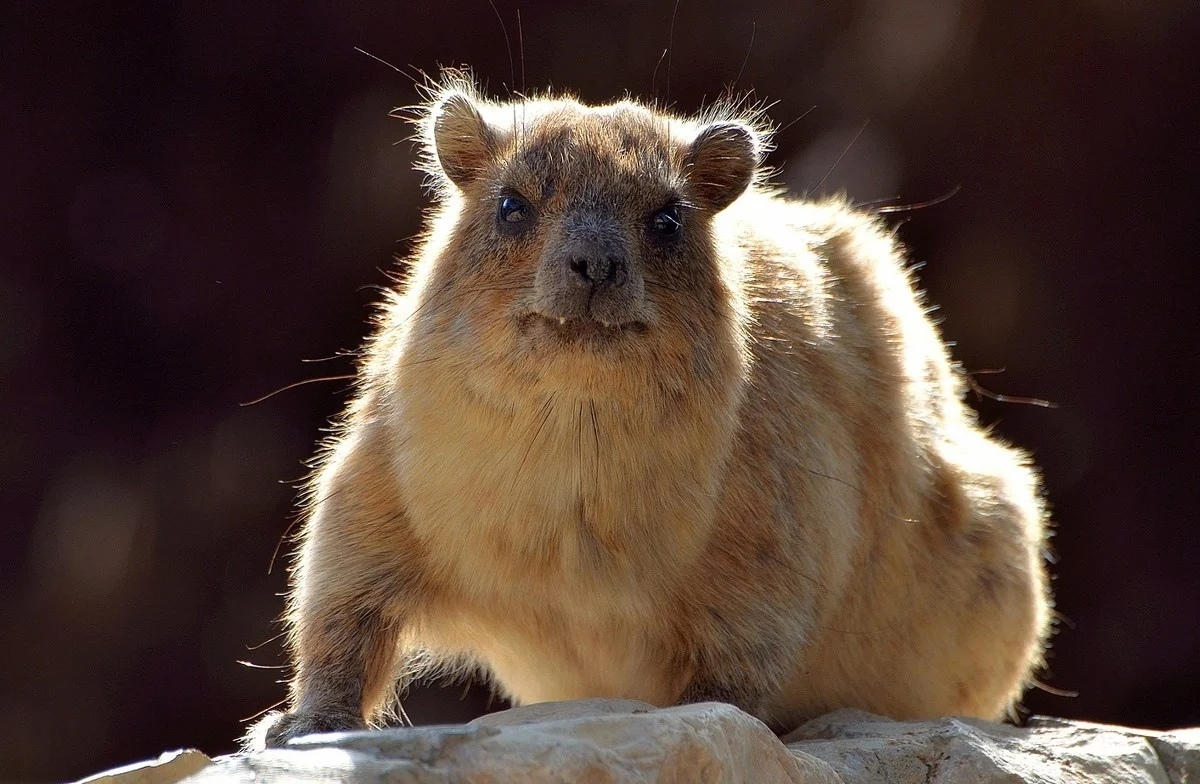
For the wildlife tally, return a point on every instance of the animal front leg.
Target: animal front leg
(354, 591)
(343, 668)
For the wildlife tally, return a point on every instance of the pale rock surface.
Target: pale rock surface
(591, 741)
(602, 741)
(171, 766)
(864, 748)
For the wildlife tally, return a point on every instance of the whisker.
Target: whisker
(414, 79)
(279, 544)
(670, 51)
(845, 150)
(269, 395)
(264, 711)
(979, 390)
(1057, 692)
(746, 59)
(654, 76)
(512, 71)
(922, 204)
(521, 48)
(254, 666)
(338, 355)
(267, 641)
(804, 114)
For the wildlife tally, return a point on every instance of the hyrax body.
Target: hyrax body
(639, 427)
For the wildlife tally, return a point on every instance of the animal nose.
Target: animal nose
(594, 270)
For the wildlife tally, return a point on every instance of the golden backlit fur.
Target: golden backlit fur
(597, 454)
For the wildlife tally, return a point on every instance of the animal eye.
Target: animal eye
(513, 210)
(666, 221)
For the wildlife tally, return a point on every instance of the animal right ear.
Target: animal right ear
(463, 141)
(721, 163)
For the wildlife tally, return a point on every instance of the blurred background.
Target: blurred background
(197, 198)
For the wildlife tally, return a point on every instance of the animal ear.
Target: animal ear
(463, 142)
(721, 163)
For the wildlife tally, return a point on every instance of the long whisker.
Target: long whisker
(978, 389)
(512, 71)
(670, 49)
(921, 204)
(746, 59)
(265, 710)
(845, 150)
(269, 395)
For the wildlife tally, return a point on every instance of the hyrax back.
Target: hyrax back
(637, 426)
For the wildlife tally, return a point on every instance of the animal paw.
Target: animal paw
(276, 729)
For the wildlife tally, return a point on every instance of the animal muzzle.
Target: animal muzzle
(590, 277)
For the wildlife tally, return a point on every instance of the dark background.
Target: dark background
(198, 196)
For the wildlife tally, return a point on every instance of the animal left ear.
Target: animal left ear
(720, 164)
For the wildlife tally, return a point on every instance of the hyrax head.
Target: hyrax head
(586, 230)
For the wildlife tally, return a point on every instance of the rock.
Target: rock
(1180, 754)
(559, 711)
(863, 748)
(593, 741)
(170, 767)
(602, 741)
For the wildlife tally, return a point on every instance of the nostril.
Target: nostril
(616, 271)
(579, 267)
(597, 270)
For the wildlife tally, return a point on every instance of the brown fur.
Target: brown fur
(593, 459)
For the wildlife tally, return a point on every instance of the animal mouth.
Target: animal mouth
(585, 330)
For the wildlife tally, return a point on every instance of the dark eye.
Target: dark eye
(513, 210)
(667, 221)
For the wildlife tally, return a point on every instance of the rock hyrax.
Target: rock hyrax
(638, 425)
